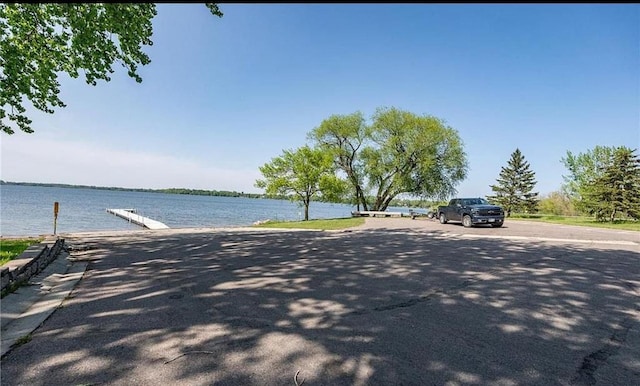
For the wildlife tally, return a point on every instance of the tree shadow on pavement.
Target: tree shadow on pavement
(362, 307)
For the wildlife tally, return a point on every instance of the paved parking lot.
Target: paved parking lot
(393, 302)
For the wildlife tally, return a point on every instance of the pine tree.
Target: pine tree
(617, 190)
(514, 188)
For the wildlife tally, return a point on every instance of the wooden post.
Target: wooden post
(56, 207)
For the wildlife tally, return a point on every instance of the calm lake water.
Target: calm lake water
(28, 210)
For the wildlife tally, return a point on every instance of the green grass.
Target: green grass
(628, 225)
(330, 224)
(10, 249)
(23, 340)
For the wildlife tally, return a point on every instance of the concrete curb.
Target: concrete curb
(29, 306)
(31, 262)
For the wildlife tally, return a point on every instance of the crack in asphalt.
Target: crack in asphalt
(585, 375)
(466, 283)
(416, 300)
(452, 290)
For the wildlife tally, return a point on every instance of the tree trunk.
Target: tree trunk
(383, 195)
(364, 201)
(613, 215)
(359, 194)
(306, 211)
(361, 198)
(385, 203)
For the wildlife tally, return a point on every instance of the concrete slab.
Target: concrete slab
(24, 310)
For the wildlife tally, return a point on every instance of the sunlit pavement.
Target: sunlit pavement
(394, 302)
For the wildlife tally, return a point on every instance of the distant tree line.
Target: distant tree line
(223, 193)
(201, 192)
(198, 192)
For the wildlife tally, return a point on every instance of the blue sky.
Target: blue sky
(222, 97)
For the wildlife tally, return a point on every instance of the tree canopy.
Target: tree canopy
(303, 175)
(343, 136)
(515, 183)
(399, 152)
(616, 189)
(584, 169)
(39, 41)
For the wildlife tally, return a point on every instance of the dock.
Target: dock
(131, 216)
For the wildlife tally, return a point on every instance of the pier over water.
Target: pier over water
(131, 216)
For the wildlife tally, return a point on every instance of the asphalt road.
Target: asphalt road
(393, 302)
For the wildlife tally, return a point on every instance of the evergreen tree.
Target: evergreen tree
(514, 188)
(617, 190)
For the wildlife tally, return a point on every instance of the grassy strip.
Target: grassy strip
(23, 340)
(580, 221)
(10, 249)
(324, 224)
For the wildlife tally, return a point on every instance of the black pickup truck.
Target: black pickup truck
(471, 211)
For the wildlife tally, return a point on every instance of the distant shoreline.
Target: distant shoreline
(197, 192)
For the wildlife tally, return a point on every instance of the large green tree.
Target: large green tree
(617, 188)
(39, 41)
(343, 136)
(514, 188)
(418, 155)
(398, 153)
(303, 175)
(584, 169)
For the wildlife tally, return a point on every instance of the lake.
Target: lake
(28, 210)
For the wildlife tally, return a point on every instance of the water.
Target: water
(28, 210)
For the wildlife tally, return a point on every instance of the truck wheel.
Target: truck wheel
(466, 221)
(497, 225)
(443, 218)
